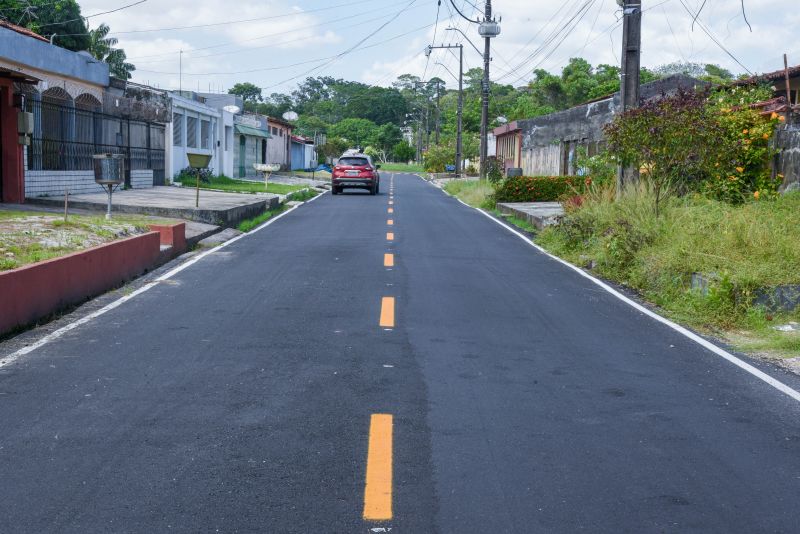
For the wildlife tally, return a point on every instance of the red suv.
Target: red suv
(355, 170)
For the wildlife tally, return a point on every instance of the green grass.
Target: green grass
(224, 183)
(744, 247)
(306, 194)
(522, 224)
(401, 167)
(249, 224)
(28, 237)
(476, 193)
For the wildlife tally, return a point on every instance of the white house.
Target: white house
(195, 128)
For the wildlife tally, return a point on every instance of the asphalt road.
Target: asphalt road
(513, 395)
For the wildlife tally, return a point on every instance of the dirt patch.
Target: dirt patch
(27, 238)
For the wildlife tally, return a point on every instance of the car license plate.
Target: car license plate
(351, 173)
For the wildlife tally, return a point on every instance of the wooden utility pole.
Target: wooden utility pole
(629, 80)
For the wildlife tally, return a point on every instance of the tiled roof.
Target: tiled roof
(23, 31)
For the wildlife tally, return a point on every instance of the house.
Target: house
(194, 130)
(229, 106)
(304, 156)
(279, 150)
(548, 145)
(786, 163)
(68, 109)
(251, 140)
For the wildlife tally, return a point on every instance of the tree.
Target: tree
(333, 148)
(403, 151)
(357, 132)
(676, 140)
(102, 47)
(249, 92)
(61, 18)
(309, 125)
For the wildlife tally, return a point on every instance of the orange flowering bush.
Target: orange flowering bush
(746, 173)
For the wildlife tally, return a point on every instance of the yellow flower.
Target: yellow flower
(765, 136)
(773, 116)
(756, 195)
(745, 131)
(782, 118)
(740, 169)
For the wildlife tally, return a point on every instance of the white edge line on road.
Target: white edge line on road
(758, 373)
(14, 356)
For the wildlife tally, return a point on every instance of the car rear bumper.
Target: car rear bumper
(353, 182)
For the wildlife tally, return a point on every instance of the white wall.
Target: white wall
(226, 147)
(183, 109)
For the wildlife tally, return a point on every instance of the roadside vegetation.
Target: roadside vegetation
(704, 235)
(249, 224)
(401, 167)
(476, 193)
(28, 237)
(223, 183)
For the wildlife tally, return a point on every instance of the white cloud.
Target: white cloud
(307, 34)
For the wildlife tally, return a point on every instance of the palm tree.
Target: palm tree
(102, 47)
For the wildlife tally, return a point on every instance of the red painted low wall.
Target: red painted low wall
(35, 291)
(173, 235)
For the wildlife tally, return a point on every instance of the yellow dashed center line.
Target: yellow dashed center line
(390, 210)
(390, 222)
(389, 236)
(378, 488)
(388, 260)
(387, 312)
(391, 202)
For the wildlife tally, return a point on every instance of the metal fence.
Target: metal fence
(66, 137)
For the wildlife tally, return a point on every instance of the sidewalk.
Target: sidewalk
(217, 208)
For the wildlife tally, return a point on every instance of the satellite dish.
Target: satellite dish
(232, 109)
(290, 116)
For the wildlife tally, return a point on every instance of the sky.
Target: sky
(276, 43)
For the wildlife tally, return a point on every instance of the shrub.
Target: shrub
(494, 170)
(538, 188)
(437, 157)
(190, 175)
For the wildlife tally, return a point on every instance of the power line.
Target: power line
(281, 67)
(711, 36)
(462, 14)
(248, 49)
(271, 17)
(349, 50)
(95, 14)
(435, 27)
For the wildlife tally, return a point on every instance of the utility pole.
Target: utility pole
(459, 113)
(438, 111)
(629, 79)
(488, 29)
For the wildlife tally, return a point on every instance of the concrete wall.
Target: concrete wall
(787, 162)
(11, 170)
(549, 142)
(141, 179)
(32, 53)
(36, 291)
(55, 183)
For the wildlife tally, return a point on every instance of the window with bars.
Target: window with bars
(177, 129)
(191, 132)
(205, 134)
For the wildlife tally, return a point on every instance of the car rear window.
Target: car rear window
(353, 161)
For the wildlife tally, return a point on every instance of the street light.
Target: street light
(198, 162)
